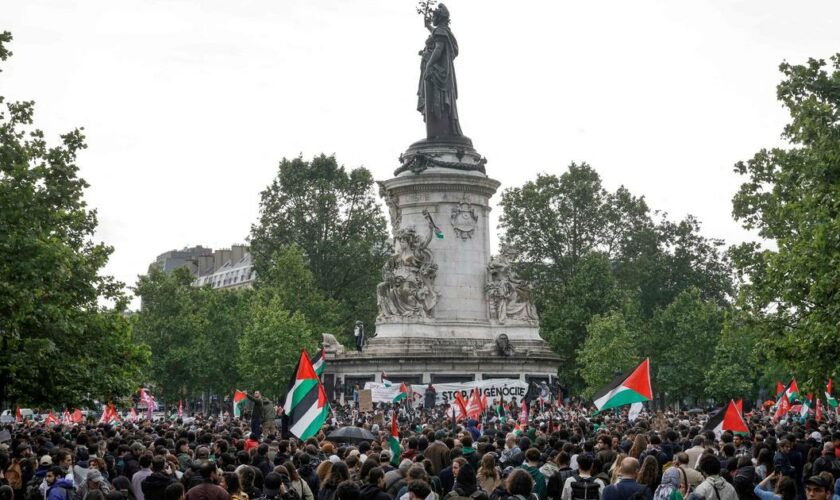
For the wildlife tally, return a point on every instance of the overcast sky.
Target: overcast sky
(189, 105)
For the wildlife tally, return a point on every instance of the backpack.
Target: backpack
(33, 489)
(585, 488)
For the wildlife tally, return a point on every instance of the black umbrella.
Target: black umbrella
(351, 435)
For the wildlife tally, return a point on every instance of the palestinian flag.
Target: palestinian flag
(780, 388)
(728, 419)
(385, 381)
(394, 441)
(403, 394)
(625, 390)
(239, 402)
(318, 362)
(806, 408)
(306, 401)
(792, 391)
(829, 399)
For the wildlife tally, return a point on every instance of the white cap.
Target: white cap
(816, 436)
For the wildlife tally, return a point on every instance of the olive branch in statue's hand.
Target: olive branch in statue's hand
(425, 8)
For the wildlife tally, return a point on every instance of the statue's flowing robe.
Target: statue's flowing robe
(438, 90)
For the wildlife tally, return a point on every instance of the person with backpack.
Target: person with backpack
(532, 467)
(627, 488)
(556, 481)
(714, 487)
(583, 486)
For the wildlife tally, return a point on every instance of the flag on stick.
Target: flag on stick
(78, 418)
(403, 394)
(51, 419)
(728, 419)
(318, 362)
(782, 408)
(792, 391)
(306, 401)
(239, 402)
(780, 388)
(474, 408)
(394, 441)
(829, 398)
(18, 415)
(66, 419)
(626, 389)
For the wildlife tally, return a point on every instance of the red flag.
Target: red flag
(784, 407)
(462, 404)
(180, 408)
(51, 419)
(78, 417)
(819, 415)
(740, 405)
(523, 413)
(132, 417)
(66, 419)
(18, 415)
(780, 388)
(474, 407)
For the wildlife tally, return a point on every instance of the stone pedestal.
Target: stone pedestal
(448, 309)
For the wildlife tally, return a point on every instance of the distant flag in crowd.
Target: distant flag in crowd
(318, 362)
(78, 417)
(625, 390)
(149, 400)
(394, 441)
(792, 391)
(306, 401)
(819, 415)
(782, 408)
(806, 408)
(475, 408)
(18, 415)
(403, 394)
(385, 381)
(461, 404)
(728, 419)
(829, 398)
(560, 398)
(66, 419)
(485, 403)
(109, 414)
(132, 416)
(523, 413)
(780, 388)
(239, 402)
(181, 408)
(51, 419)
(635, 410)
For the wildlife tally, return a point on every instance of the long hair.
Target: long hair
(639, 445)
(649, 472)
(487, 469)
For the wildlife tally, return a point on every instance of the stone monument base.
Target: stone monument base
(421, 360)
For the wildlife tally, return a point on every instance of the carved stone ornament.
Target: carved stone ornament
(508, 296)
(408, 277)
(392, 201)
(331, 344)
(503, 347)
(464, 219)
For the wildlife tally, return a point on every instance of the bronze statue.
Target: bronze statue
(438, 91)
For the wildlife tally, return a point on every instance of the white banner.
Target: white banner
(499, 388)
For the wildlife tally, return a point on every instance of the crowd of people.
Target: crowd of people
(559, 454)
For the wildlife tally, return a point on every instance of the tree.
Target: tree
(681, 344)
(58, 343)
(332, 216)
(792, 198)
(271, 344)
(732, 373)
(612, 345)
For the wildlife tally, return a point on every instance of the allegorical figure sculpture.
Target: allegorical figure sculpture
(438, 90)
(407, 287)
(508, 297)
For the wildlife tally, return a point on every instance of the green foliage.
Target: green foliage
(271, 344)
(611, 346)
(681, 344)
(732, 373)
(332, 216)
(792, 197)
(59, 345)
(588, 251)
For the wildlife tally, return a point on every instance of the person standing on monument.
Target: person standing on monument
(359, 335)
(438, 90)
(262, 415)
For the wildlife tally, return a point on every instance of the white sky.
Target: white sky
(188, 105)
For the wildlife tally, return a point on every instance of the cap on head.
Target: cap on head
(817, 481)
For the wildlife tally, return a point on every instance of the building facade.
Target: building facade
(223, 268)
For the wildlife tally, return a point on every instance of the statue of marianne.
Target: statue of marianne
(438, 90)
